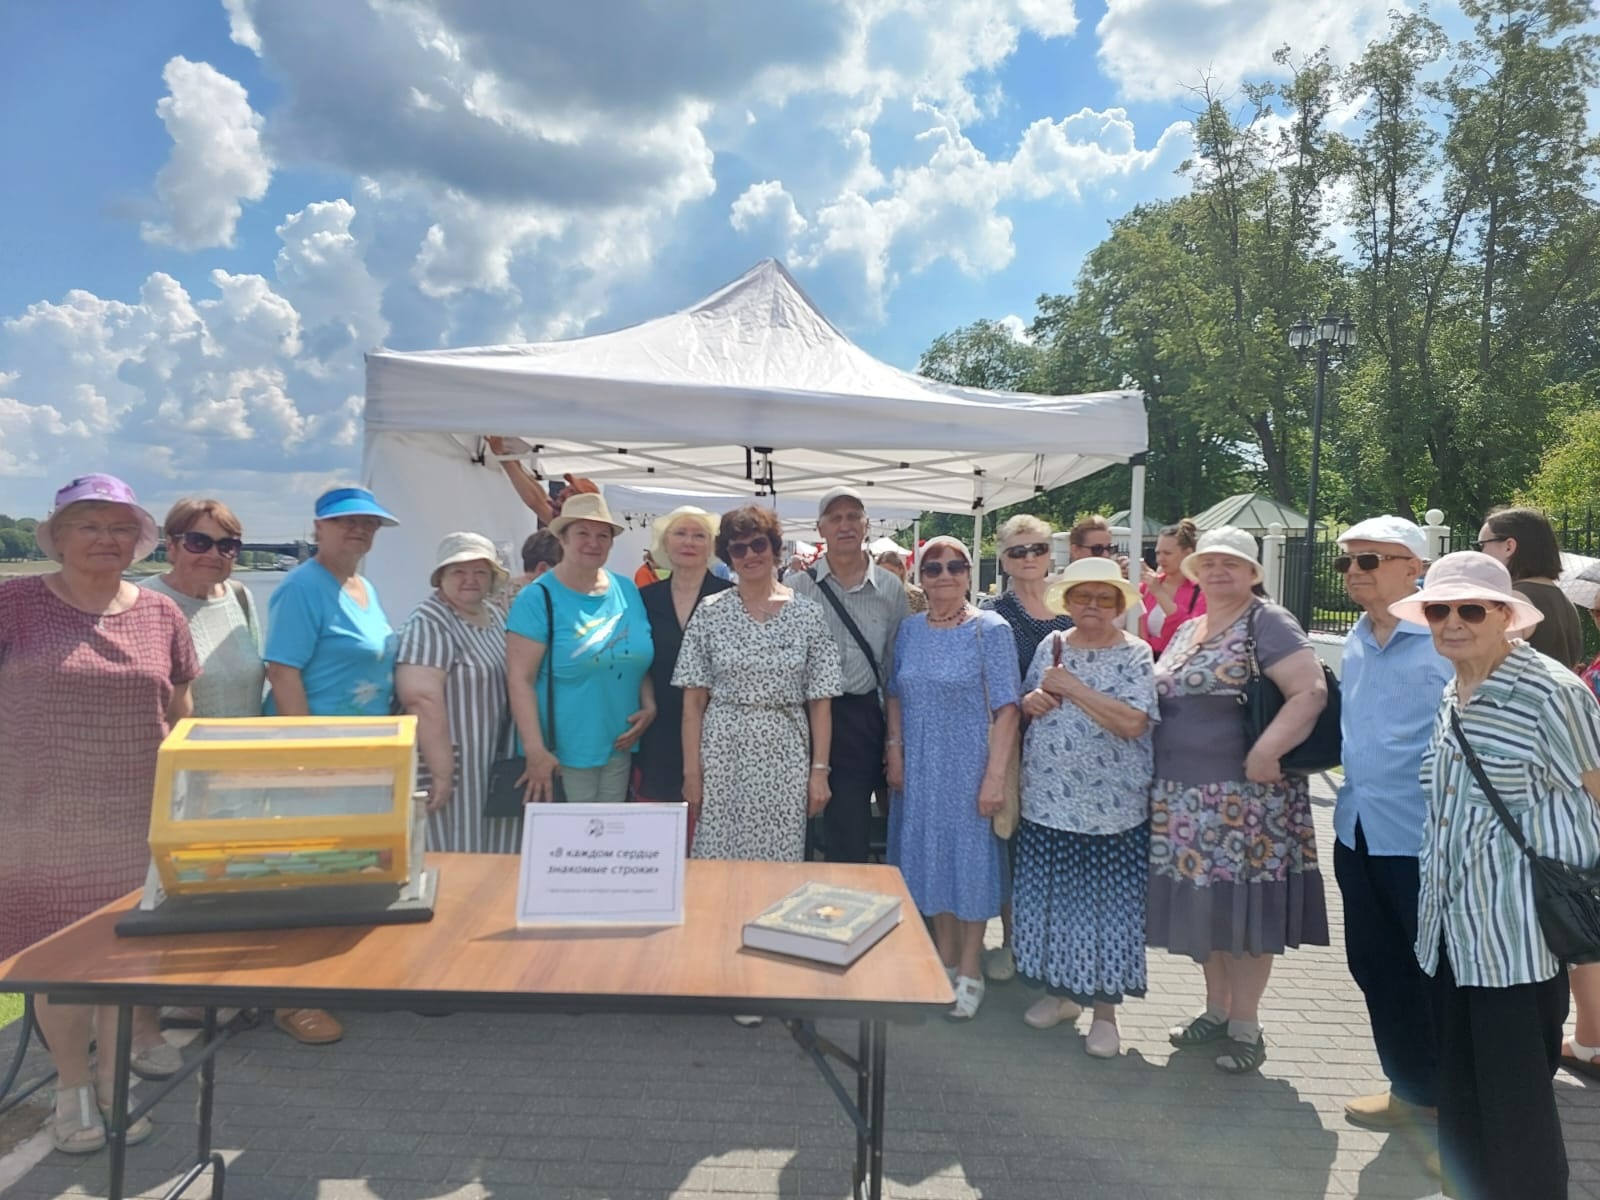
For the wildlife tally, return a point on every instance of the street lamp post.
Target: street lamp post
(1329, 339)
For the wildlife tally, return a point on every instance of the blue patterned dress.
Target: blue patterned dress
(947, 851)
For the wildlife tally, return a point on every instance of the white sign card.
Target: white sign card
(602, 864)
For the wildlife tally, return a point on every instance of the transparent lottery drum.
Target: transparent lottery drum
(282, 802)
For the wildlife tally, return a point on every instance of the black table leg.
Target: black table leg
(117, 1127)
(863, 1103)
(875, 1107)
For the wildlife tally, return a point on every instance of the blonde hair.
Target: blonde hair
(1085, 524)
(1023, 523)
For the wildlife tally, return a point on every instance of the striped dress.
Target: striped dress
(474, 662)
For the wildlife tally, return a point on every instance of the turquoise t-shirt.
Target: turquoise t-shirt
(344, 653)
(600, 654)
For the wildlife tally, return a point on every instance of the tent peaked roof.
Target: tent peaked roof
(692, 398)
(1252, 511)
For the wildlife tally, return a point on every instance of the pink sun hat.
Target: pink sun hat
(1464, 577)
(107, 489)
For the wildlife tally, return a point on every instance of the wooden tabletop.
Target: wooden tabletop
(472, 956)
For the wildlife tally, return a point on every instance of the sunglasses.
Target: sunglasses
(1367, 562)
(199, 543)
(1031, 550)
(1472, 614)
(956, 566)
(1098, 548)
(1478, 546)
(1096, 600)
(758, 545)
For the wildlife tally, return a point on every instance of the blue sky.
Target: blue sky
(214, 206)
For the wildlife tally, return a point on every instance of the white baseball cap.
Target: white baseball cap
(838, 493)
(1392, 531)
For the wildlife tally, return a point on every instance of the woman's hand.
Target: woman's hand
(1058, 681)
(1262, 768)
(538, 777)
(693, 790)
(1038, 703)
(638, 722)
(991, 795)
(894, 766)
(818, 793)
(438, 797)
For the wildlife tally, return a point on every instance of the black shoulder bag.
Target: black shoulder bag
(849, 622)
(1566, 899)
(503, 797)
(1261, 701)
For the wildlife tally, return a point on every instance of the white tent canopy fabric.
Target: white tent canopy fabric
(752, 390)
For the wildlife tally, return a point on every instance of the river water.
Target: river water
(261, 585)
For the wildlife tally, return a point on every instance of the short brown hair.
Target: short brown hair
(542, 547)
(745, 520)
(183, 516)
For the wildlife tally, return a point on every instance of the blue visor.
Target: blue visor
(352, 502)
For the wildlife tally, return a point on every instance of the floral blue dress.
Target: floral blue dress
(947, 851)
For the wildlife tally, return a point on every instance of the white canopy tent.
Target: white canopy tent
(749, 392)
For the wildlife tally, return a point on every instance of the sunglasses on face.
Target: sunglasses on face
(956, 566)
(1098, 548)
(199, 543)
(1478, 546)
(1031, 550)
(1367, 562)
(1472, 614)
(758, 545)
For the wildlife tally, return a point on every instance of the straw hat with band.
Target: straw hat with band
(467, 547)
(103, 489)
(1466, 577)
(1226, 539)
(1090, 570)
(583, 506)
(661, 526)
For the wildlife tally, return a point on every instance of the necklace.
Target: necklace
(954, 618)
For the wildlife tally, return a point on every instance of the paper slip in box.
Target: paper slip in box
(828, 924)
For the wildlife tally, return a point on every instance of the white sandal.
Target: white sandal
(969, 995)
(1104, 1041)
(76, 1127)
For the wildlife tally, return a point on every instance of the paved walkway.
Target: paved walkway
(619, 1108)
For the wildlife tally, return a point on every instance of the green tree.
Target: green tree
(986, 355)
(14, 544)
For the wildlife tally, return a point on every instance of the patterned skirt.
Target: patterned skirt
(1233, 869)
(1078, 911)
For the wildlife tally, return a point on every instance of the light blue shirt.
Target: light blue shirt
(344, 653)
(1389, 702)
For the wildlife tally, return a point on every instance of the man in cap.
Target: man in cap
(1390, 684)
(864, 605)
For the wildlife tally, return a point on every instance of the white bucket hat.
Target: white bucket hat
(1090, 570)
(1467, 576)
(467, 547)
(1226, 539)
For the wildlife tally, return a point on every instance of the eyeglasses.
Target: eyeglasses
(758, 545)
(956, 566)
(1478, 546)
(1472, 614)
(199, 543)
(89, 530)
(1092, 599)
(1367, 562)
(1098, 548)
(1031, 550)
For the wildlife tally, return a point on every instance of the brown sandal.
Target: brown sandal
(310, 1026)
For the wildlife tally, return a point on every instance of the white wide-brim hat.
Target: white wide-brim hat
(1226, 539)
(1466, 576)
(1089, 570)
(661, 526)
(467, 547)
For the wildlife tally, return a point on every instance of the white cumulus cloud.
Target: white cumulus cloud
(766, 206)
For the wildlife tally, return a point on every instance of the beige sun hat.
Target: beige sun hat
(467, 547)
(1225, 539)
(1466, 576)
(661, 526)
(1089, 570)
(584, 506)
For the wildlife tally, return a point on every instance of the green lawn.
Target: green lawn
(10, 1008)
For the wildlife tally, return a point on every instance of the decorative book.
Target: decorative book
(827, 924)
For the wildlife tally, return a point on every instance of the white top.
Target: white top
(227, 638)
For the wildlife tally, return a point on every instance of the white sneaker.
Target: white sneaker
(969, 995)
(1103, 1041)
(999, 964)
(747, 1022)
(1049, 1011)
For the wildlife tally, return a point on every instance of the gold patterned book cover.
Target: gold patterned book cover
(829, 924)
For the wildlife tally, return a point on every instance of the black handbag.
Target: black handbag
(503, 797)
(1566, 899)
(1262, 700)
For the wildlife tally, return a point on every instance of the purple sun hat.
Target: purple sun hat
(106, 489)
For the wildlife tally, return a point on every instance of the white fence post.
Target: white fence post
(1437, 533)
(1272, 560)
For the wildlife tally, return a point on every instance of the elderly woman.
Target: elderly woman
(1025, 558)
(1523, 540)
(894, 561)
(952, 717)
(1233, 856)
(686, 540)
(1083, 847)
(330, 652)
(759, 670)
(1500, 996)
(1169, 597)
(93, 673)
(450, 672)
(578, 638)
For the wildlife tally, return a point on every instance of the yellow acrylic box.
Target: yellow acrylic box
(283, 802)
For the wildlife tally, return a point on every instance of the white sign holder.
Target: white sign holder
(601, 864)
